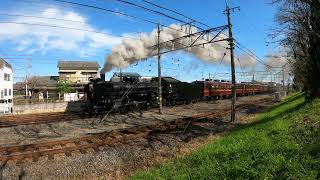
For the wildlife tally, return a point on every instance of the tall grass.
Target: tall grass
(282, 143)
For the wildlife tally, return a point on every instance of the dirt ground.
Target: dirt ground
(120, 160)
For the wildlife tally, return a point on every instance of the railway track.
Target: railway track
(29, 119)
(16, 120)
(97, 140)
(93, 141)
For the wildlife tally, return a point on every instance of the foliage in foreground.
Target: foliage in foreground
(63, 86)
(282, 143)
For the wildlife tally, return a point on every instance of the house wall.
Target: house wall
(6, 89)
(4, 84)
(77, 76)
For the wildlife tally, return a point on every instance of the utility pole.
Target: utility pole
(233, 76)
(27, 66)
(26, 85)
(159, 73)
(283, 85)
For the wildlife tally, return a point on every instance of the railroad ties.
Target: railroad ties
(94, 142)
(16, 120)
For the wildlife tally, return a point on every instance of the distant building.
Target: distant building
(78, 72)
(6, 87)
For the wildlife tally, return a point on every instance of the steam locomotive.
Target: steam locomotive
(129, 91)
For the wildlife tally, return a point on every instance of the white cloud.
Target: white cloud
(35, 38)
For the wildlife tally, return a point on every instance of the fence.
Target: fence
(47, 107)
(37, 98)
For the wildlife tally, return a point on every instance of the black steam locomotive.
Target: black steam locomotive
(129, 91)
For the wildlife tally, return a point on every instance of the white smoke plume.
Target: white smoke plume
(132, 50)
(279, 60)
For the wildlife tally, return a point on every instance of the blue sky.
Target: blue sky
(43, 47)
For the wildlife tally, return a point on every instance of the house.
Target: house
(45, 86)
(6, 87)
(78, 72)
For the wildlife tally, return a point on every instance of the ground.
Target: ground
(121, 160)
(282, 143)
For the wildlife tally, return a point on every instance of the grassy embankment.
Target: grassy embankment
(280, 143)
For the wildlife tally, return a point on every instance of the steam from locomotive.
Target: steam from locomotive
(133, 50)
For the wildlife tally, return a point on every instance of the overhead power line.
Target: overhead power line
(159, 13)
(39, 17)
(118, 13)
(150, 10)
(109, 11)
(176, 12)
(106, 10)
(250, 53)
(63, 27)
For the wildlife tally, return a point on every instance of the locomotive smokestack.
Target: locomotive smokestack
(102, 76)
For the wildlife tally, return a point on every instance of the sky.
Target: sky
(34, 45)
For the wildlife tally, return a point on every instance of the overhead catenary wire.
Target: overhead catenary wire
(106, 10)
(224, 55)
(118, 13)
(127, 15)
(250, 53)
(39, 17)
(64, 27)
(124, 13)
(176, 12)
(160, 13)
(150, 10)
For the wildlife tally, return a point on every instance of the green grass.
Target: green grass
(277, 145)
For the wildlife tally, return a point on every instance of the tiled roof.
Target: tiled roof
(78, 65)
(4, 63)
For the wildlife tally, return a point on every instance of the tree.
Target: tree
(299, 31)
(63, 87)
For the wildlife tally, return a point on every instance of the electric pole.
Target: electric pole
(27, 66)
(159, 73)
(283, 84)
(233, 76)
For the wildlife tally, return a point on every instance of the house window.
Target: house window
(9, 92)
(5, 92)
(1, 93)
(6, 77)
